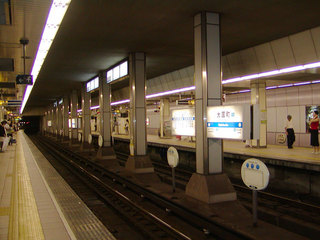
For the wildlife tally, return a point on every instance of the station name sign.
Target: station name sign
(24, 79)
(229, 122)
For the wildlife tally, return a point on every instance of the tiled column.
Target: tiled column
(105, 110)
(258, 97)
(73, 110)
(65, 114)
(85, 114)
(208, 184)
(138, 161)
(164, 115)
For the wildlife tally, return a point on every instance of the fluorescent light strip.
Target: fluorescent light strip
(120, 102)
(272, 73)
(54, 19)
(171, 92)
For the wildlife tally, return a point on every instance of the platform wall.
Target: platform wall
(280, 103)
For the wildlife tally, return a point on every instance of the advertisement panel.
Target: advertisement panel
(229, 122)
(183, 122)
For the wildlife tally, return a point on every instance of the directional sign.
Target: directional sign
(24, 79)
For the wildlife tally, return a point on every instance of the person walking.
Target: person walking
(314, 126)
(290, 132)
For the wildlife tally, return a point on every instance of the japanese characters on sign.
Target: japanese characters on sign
(183, 122)
(229, 122)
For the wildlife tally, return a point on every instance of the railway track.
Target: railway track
(296, 216)
(153, 215)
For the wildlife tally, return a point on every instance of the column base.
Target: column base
(105, 153)
(85, 147)
(139, 164)
(213, 188)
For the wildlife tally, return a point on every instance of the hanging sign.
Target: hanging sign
(24, 79)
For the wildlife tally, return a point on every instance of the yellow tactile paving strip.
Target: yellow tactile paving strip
(24, 218)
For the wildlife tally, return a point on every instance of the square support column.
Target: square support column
(65, 113)
(208, 184)
(105, 152)
(105, 110)
(60, 119)
(138, 161)
(258, 96)
(73, 110)
(85, 98)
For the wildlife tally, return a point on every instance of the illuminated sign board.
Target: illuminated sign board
(117, 72)
(74, 123)
(49, 123)
(93, 84)
(183, 122)
(229, 122)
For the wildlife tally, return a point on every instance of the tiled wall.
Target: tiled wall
(280, 103)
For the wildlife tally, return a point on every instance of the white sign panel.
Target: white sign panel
(229, 122)
(74, 123)
(183, 122)
(255, 174)
(49, 123)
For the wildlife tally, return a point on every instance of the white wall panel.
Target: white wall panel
(302, 110)
(283, 53)
(305, 140)
(292, 96)
(281, 98)
(303, 47)
(271, 138)
(316, 94)
(265, 57)
(315, 32)
(294, 111)
(231, 99)
(271, 98)
(281, 118)
(305, 95)
(271, 119)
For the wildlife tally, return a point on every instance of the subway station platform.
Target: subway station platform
(36, 203)
(298, 157)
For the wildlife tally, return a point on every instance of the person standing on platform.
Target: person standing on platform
(3, 134)
(314, 126)
(290, 132)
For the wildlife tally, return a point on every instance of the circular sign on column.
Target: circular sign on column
(173, 157)
(79, 137)
(255, 174)
(100, 141)
(90, 138)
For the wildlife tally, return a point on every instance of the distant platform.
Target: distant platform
(298, 157)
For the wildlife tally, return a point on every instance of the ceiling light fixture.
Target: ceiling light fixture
(55, 16)
(273, 72)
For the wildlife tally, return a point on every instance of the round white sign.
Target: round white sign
(173, 157)
(79, 137)
(100, 141)
(255, 174)
(90, 139)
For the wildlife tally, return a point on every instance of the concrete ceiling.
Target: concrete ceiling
(96, 34)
